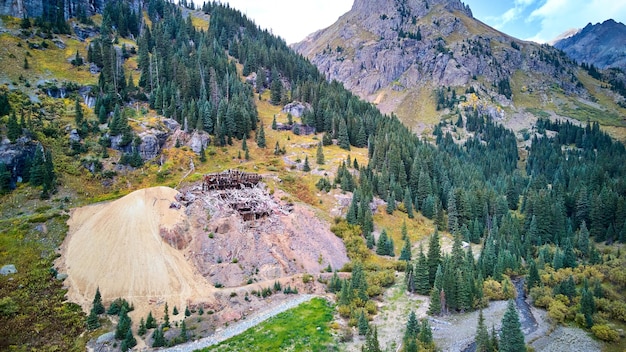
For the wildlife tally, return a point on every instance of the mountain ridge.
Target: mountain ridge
(602, 45)
(396, 54)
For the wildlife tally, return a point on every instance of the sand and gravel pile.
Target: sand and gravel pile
(117, 246)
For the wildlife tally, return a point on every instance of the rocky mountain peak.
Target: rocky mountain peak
(601, 44)
(395, 53)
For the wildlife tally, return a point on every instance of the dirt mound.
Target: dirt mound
(118, 246)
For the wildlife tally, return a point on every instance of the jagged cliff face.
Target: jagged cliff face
(36, 8)
(602, 44)
(395, 52)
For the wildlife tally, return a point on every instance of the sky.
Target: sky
(536, 20)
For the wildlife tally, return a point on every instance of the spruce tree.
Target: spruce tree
(320, 154)
(260, 140)
(511, 335)
(14, 131)
(166, 317)
(363, 324)
(142, 327)
(183, 332)
(426, 333)
(98, 307)
(406, 251)
(434, 256)
(371, 341)
(175, 311)
(78, 118)
(587, 306)
(482, 335)
(422, 285)
(158, 340)
(408, 203)
(381, 245)
(435, 302)
(150, 322)
(92, 320)
(306, 167)
(187, 312)
(412, 327)
(342, 135)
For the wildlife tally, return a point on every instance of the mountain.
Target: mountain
(397, 53)
(602, 45)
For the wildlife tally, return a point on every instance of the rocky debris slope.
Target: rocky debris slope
(600, 44)
(232, 246)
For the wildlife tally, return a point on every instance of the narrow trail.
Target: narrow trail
(239, 327)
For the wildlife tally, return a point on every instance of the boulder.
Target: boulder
(8, 270)
(296, 108)
(198, 141)
(171, 124)
(74, 136)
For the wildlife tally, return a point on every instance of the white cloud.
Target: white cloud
(556, 16)
(292, 20)
(512, 14)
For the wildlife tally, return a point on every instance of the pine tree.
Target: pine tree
(129, 341)
(92, 320)
(434, 256)
(14, 131)
(320, 154)
(511, 335)
(342, 135)
(412, 327)
(482, 335)
(158, 340)
(435, 302)
(183, 332)
(381, 245)
(426, 333)
(587, 305)
(306, 167)
(371, 341)
(408, 203)
(277, 88)
(123, 325)
(422, 285)
(391, 203)
(175, 311)
(363, 324)
(260, 140)
(187, 312)
(98, 307)
(150, 322)
(405, 254)
(166, 317)
(142, 327)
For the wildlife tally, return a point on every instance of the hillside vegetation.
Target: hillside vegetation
(195, 91)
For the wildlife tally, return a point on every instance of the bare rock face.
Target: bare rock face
(151, 143)
(198, 141)
(37, 8)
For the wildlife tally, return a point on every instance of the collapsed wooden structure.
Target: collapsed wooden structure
(230, 179)
(238, 190)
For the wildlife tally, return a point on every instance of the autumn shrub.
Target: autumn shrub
(605, 333)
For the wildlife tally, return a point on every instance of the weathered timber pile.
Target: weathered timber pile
(230, 179)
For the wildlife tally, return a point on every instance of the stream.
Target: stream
(527, 319)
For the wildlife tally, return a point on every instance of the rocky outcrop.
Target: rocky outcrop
(16, 156)
(151, 143)
(602, 44)
(296, 108)
(198, 141)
